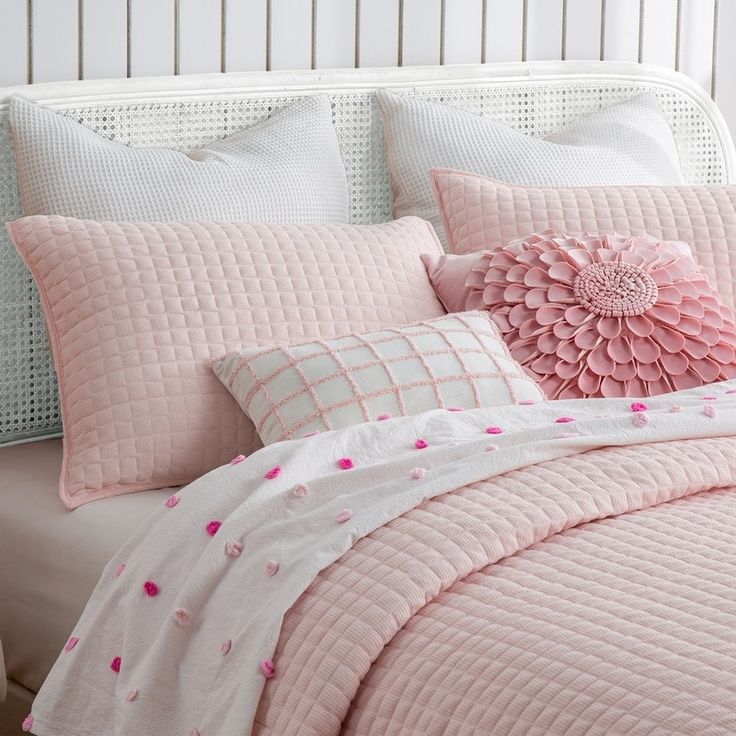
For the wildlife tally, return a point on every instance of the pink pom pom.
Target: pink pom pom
(708, 398)
(120, 569)
(709, 410)
(226, 646)
(455, 408)
(676, 409)
(639, 406)
(132, 695)
(272, 567)
(237, 459)
(300, 490)
(420, 444)
(115, 664)
(151, 588)
(268, 668)
(213, 527)
(526, 402)
(417, 473)
(171, 501)
(182, 617)
(343, 516)
(494, 430)
(491, 448)
(564, 420)
(640, 420)
(384, 417)
(27, 724)
(233, 548)
(73, 641)
(273, 473)
(346, 463)
(312, 434)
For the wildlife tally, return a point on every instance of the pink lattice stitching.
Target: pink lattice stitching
(260, 384)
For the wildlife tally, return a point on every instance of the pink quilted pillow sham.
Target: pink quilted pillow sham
(606, 315)
(481, 213)
(136, 312)
(455, 361)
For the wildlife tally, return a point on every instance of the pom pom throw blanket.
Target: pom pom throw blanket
(558, 568)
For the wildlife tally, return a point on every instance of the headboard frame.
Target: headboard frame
(185, 111)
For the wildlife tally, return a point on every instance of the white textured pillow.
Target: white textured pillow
(286, 168)
(627, 143)
(455, 361)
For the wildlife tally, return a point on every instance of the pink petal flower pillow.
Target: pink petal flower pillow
(607, 315)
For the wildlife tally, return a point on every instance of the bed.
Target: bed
(361, 685)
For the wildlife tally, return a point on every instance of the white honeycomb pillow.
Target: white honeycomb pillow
(286, 168)
(630, 142)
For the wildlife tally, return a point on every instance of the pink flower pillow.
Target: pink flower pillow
(607, 315)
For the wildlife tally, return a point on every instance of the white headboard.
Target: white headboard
(183, 112)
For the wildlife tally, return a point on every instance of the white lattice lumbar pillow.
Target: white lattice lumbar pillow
(457, 361)
(286, 168)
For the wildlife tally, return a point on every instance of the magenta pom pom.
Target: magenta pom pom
(420, 444)
(171, 501)
(268, 668)
(273, 473)
(346, 463)
(213, 527)
(73, 641)
(564, 420)
(639, 406)
(494, 430)
(115, 664)
(27, 724)
(151, 588)
(384, 417)
(237, 459)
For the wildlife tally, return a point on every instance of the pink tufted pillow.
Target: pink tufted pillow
(136, 312)
(454, 361)
(481, 213)
(606, 315)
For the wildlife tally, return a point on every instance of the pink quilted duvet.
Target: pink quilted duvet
(565, 568)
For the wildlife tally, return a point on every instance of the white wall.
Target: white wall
(70, 39)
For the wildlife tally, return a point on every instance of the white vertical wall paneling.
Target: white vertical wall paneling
(54, 40)
(725, 96)
(104, 52)
(105, 45)
(13, 43)
(503, 30)
(583, 29)
(199, 36)
(544, 29)
(622, 30)
(245, 49)
(291, 34)
(697, 40)
(335, 39)
(152, 37)
(660, 25)
(463, 31)
(379, 32)
(422, 31)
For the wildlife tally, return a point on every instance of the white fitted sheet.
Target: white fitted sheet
(50, 557)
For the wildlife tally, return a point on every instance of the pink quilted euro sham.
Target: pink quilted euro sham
(450, 362)
(136, 312)
(481, 213)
